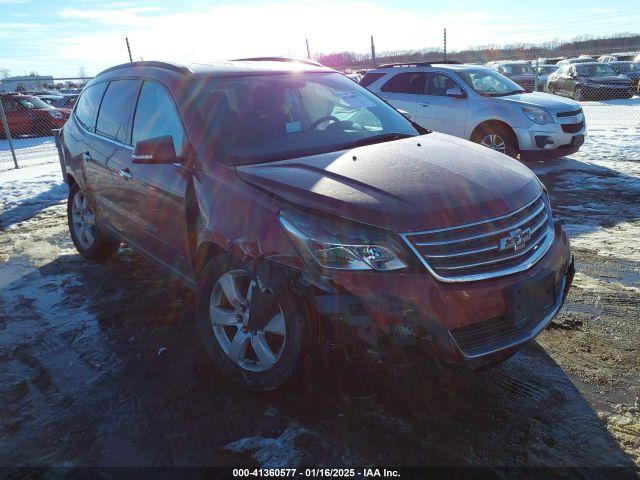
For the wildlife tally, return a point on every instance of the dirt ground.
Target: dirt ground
(101, 364)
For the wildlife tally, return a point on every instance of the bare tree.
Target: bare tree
(82, 72)
(4, 73)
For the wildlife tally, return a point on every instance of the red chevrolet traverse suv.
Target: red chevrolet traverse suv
(289, 197)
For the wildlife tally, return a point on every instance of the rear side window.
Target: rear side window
(369, 78)
(157, 116)
(115, 110)
(406, 83)
(88, 104)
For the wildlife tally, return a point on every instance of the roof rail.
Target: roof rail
(420, 64)
(278, 59)
(174, 67)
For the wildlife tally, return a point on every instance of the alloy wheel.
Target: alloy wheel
(256, 350)
(83, 220)
(494, 142)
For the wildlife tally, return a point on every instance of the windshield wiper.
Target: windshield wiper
(384, 137)
(512, 92)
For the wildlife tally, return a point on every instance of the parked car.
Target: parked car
(625, 56)
(520, 71)
(550, 60)
(293, 200)
(597, 81)
(60, 101)
(28, 115)
(571, 61)
(630, 70)
(479, 104)
(607, 59)
(543, 76)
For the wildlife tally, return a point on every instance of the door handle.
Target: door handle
(86, 156)
(423, 104)
(126, 174)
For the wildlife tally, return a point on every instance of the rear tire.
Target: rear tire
(258, 359)
(498, 138)
(87, 237)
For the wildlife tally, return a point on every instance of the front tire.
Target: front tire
(87, 237)
(259, 350)
(498, 138)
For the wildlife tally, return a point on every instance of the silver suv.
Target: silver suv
(479, 104)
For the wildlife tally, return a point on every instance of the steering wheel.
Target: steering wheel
(321, 120)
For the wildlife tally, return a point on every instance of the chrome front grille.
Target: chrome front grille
(491, 248)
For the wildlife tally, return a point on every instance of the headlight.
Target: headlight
(56, 114)
(340, 244)
(537, 115)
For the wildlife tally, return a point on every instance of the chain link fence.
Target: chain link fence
(30, 111)
(607, 85)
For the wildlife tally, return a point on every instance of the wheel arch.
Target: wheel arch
(493, 123)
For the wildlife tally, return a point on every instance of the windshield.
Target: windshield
(595, 70)
(32, 102)
(273, 117)
(517, 68)
(489, 82)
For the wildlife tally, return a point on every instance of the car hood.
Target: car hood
(547, 101)
(432, 181)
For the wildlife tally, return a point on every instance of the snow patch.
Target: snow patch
(276, 452)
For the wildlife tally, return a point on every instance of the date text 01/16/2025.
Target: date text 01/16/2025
(316, 472)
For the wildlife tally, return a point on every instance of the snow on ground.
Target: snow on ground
(29, 151)
(26, 191)
(273, 452)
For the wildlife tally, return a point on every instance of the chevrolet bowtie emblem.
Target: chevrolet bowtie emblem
(516, 240)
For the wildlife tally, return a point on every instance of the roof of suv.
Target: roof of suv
(232, 68)
(448, 66)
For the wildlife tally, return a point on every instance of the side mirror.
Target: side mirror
(155, 150)
(456, 92)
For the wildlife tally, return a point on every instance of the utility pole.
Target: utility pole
(373, 53)
(7, 134)
(128, 49)
(308, 51)
(445, 45)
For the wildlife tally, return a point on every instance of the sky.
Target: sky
(60, 37)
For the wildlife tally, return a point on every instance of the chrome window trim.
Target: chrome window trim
(79, 125)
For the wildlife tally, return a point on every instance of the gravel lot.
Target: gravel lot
(101, 365)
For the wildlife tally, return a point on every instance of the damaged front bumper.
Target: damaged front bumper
(462, 324)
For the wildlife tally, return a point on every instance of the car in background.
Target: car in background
(628, 69)
(550, 60)
(60, 101)
(543, 76)
(519, 71)
(29, 115)
(590, 81)
(571, 61)
(625, 56)
(607, 58)
(297, 203)
(479, 104)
